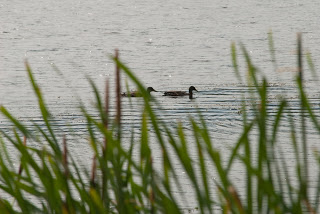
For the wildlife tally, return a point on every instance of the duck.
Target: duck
(181, 93)
(136, 93)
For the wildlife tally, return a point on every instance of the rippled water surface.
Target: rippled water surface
(170, 45)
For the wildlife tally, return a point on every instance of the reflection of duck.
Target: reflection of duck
(181, 93)
(136, 93)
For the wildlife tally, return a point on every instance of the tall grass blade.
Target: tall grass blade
(272, 50)
(311, 66)
(44, 111)
(234, 61)
(304, 184)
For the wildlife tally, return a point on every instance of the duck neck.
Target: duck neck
(190, 95)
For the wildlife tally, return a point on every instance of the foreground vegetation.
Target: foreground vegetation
(119, 183)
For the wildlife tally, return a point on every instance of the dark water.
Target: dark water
(169, 45)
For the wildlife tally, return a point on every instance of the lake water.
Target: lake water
(170, 45)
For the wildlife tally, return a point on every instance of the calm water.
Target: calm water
(169, 45)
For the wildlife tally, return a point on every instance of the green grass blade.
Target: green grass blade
(272, 50)
(234, 61)
(44, 111)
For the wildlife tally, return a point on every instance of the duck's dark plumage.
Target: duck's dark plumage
(136, 93)
(181, 93)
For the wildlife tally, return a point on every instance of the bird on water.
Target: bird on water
(181, 93)
(136, 93)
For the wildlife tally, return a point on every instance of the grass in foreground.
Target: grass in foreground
(117, 183)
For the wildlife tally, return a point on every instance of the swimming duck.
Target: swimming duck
(181, 93)
(136, 93)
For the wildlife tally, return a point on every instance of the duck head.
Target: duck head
(192, 88)
(149, 89)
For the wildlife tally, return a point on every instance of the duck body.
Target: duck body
(175, 93)
(136, 93)
(181, 93)
(131, 94)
